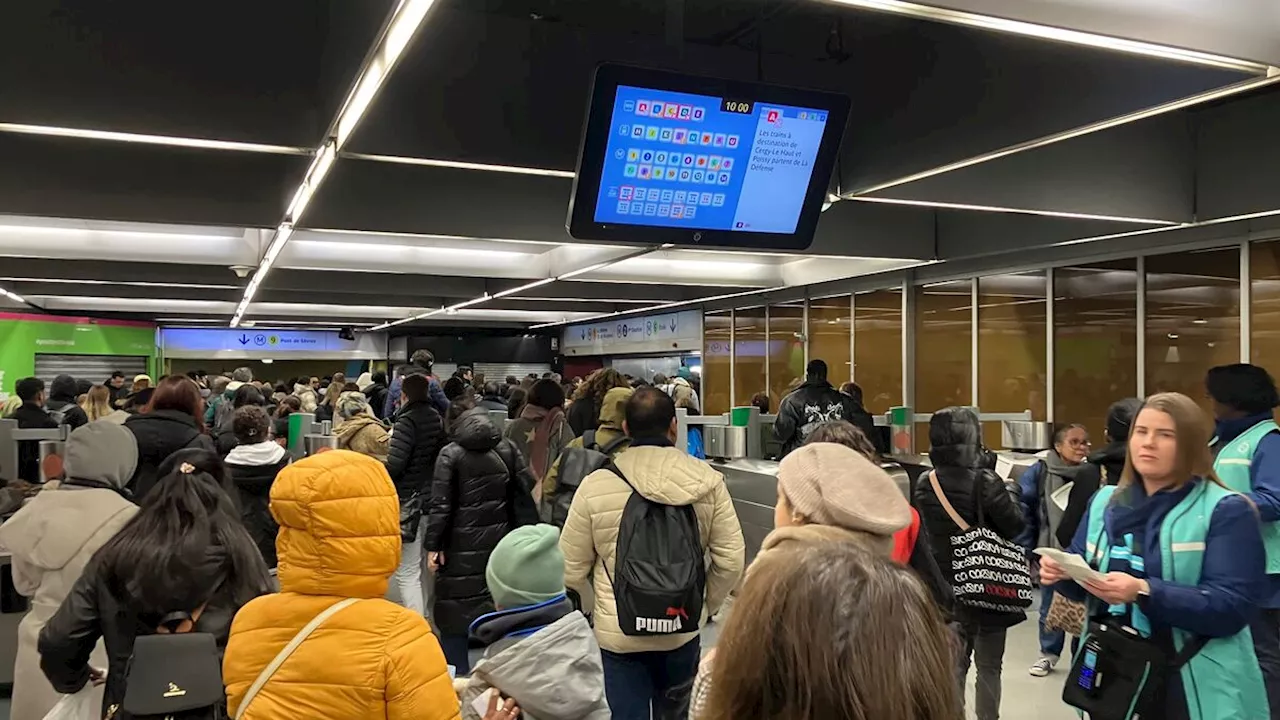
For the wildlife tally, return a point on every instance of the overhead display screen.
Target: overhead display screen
(735, 164)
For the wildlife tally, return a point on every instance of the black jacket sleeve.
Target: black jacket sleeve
(524, 511)
(784, 428)
(1087, 482)
(440, 507)
(71, 634)
(76, 416)
(926, 566)
(1000, 506)
(403, 438)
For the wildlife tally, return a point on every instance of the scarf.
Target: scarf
(539, 449)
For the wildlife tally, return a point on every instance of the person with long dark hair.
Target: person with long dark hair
(584, 411)
(542, 431)
(171, 421)
(185, 551)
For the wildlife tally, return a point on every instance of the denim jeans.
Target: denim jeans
(636, 683)
(985, 648)
(457, 652)
(1051, 641)
(406, 582)
(1265, 629)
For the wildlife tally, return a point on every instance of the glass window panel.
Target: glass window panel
(830, 324)
(716, 359)
(1012, 358)
(877, 348)
(944, 349)
(749, 354)
(1193, 319)
(1264, 305)
(1095, 341)
(786, 350)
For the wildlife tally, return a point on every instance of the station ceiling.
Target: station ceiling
(456, 182)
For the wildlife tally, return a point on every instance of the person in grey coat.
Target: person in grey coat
(540, 652)
(52, 539)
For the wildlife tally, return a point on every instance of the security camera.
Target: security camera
(242, 271)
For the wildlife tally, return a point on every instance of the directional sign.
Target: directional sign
(266, 342)
(650, 333)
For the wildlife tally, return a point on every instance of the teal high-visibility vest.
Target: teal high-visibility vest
(1223, 681)
(1232, 467)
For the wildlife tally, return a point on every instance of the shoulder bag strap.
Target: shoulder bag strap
(284, 654)
(946, 504)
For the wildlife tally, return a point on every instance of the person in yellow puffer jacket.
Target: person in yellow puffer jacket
(339, 538)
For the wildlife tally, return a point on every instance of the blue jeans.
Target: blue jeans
(457, 653)
(635, 683)
(1051, 641)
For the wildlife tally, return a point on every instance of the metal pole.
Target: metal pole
(1049, 397)
(908, 342)
(853, 363)
(733, 353)
(1142, 326)
(973, 342)
(1246, 303)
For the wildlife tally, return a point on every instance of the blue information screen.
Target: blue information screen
(693, 161)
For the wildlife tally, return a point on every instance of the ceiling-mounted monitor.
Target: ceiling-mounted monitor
(687, 160)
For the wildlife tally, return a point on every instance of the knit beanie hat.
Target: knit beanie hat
(831, 484)
(526, 568)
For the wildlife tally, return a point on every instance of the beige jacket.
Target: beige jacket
(365, 435)
(590, 535)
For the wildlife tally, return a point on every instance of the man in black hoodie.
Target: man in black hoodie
(1102, 467)
(812, 404)
(62, 405)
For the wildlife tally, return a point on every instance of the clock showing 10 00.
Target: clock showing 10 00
(741, 107)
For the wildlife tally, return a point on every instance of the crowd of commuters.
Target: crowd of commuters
(585, 552)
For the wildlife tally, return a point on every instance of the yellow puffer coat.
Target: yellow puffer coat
(589, 539)
(339, 538)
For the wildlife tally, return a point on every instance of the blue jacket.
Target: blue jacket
(435, 394)
(1264, 476)
(1029, 499)
(1231, 583)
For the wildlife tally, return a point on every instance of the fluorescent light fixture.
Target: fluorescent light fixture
(585, 270)
(1057, 34)
(13, 296)
(1014, 211)
(419, 316)
(522, 288)
(460, 165)
(664, 306)
(71, 281)
(145, 139)
(315, 176)
(1148, 231)
(140, 234)
(1182, 104)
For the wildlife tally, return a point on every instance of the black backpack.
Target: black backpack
(174, 675)
(575, 465)
(660, 574)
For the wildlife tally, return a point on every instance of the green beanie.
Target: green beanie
(526, 568)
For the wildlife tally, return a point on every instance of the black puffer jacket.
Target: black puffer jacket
(471, 509)
(964, 469)
(812, 404)
(62, 399)
(415, 444)
(252, 471)
(159, 435)
(96, 608)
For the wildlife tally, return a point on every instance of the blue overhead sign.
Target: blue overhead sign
(266, 342)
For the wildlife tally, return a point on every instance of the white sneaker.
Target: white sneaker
(1042, 667)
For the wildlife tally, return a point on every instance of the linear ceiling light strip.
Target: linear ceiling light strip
(13, 296)
(408, 17)
(1014, 211)
(1057, 34)
(459, 165)
(1169, 107)
(168, 140)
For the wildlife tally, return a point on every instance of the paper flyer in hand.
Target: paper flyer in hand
(1073, 565)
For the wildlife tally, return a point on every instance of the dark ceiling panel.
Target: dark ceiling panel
(854, 228)
(1237, 157)
(236, 70)
(106, 269)
(1142, 170)
(968, 234)
(90, 179)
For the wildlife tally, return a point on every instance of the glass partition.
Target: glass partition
(749, 354)
(786, 350)
(877, 348)
(717, 357)
(1012, 358)
(1193, 319)
(944, 349)
(1095, 341)
(1264, 306)
(830, 325)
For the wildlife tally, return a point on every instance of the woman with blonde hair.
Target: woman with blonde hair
(1183, 566)
(833, 632)
(97, 405)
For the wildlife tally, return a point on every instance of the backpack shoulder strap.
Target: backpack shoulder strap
(284, 653)
(589, 439)
(613, 468)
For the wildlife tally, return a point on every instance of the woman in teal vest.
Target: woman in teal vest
(1183, 557)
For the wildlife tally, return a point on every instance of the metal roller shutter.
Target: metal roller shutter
(94, 368)
(500, 371)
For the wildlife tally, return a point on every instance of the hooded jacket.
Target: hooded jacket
(415, 445)
(339, 538)
(470, 510)
(51, 540)
(62, 400)
(589, 539)
(608, 435)
(365, 435)
(253, 470)
(961, 464)
(812, 404)
(546, 657)
(160, 434)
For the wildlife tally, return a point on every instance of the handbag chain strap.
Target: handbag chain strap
(946, 504)
(284, 654)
